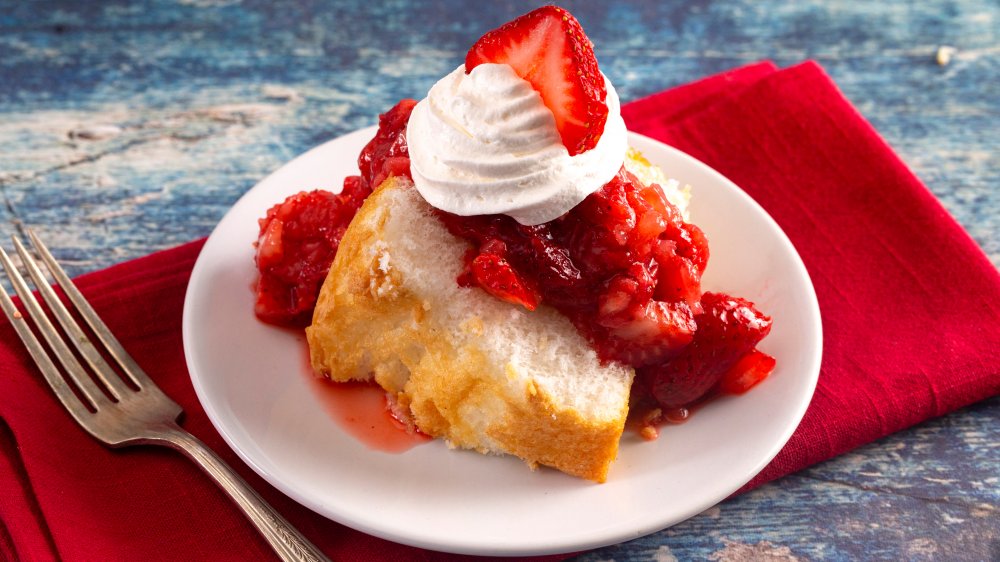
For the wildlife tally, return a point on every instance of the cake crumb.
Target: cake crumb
(944, 54)
(380, 272)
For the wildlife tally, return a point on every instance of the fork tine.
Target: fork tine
(74, 370)
(49, 370)
(101, 330)
(74, 333)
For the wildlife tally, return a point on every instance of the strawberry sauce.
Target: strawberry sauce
(362, 410)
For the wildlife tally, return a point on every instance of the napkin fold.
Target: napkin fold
(910, 306)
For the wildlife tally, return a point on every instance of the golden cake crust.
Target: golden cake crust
(372, 320)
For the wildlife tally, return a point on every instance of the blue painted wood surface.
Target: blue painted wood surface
(130, 127)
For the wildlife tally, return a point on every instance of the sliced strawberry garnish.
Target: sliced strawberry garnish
(547, 47)
(728, 328)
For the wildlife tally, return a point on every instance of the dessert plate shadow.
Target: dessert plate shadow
(253, 382)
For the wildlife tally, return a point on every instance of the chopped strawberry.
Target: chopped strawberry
(489, 269)
(270, 249)
(678, 279)
(641, 331)
(728, 328)
(387, 154)
(547, 47)
(654, 331)
(494, 274)
(297, 243)
(606, 265)
(747, 372)
(299, 237)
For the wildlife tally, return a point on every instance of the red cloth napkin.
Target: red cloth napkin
(909, 304)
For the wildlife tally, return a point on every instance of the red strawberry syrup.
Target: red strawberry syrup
(362, 410)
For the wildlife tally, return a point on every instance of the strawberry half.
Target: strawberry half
(547, 47)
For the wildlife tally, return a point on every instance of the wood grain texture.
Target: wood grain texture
(131, 127)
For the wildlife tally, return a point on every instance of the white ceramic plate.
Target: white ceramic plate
(250, 379)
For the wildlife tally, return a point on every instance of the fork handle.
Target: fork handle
(286, 541)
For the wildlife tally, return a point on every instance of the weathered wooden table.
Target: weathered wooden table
(127, 128)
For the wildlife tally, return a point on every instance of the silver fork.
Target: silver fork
(126, 412)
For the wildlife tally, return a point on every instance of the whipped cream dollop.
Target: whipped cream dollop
(484, 143)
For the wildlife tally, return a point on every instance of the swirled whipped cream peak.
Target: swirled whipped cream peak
(527, 127)
(484, 143)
